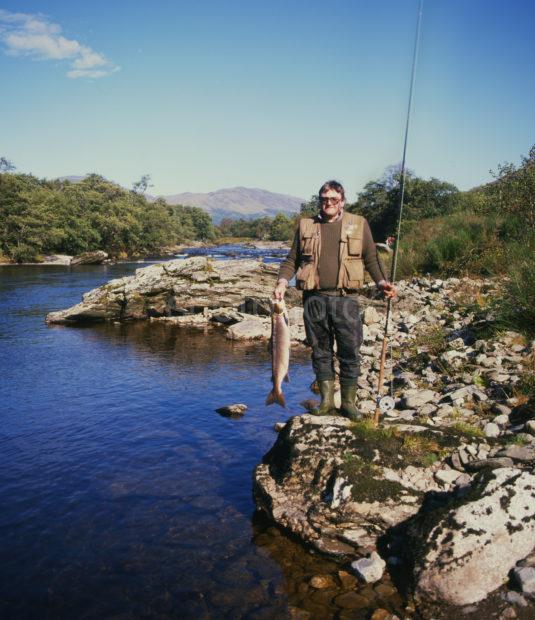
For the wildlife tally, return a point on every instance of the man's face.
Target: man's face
(331, 203)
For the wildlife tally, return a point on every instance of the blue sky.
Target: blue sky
(279, 95)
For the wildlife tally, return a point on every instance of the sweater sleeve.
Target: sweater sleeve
(289, 264)
(371, 259)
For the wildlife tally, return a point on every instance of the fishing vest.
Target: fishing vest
(351, 264)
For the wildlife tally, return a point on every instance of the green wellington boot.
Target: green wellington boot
(348, 393)
(327, 406)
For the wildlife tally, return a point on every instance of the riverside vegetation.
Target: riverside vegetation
(487, 231)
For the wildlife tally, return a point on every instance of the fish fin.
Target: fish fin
(276, 397)
(287, 377)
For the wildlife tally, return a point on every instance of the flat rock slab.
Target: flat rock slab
(492, 463)
(518, 453)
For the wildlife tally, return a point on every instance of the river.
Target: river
(123, 493)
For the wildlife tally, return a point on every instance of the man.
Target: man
(328, 256)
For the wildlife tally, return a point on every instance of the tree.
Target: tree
(310, 208)
(6, 165)
(281, 228)
(380, 200)
(513, 192)
(141, 186)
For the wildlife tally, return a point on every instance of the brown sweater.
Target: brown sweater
(329, 263)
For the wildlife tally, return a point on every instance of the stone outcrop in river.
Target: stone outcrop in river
(197, 290)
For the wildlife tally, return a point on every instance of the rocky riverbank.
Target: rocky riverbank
(442, 494)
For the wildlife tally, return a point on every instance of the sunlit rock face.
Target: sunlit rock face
(466, 551)
(176, 288)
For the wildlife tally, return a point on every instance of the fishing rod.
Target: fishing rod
(385, 404)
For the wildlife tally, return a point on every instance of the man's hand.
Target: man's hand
(280, 289)
(388, 289)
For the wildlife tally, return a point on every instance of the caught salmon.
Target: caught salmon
(280, 351)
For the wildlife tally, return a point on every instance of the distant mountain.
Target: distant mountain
(239, 202)
(234, 202)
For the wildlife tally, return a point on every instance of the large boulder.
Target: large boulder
(176, 288)
(466, 550)
(340, 486)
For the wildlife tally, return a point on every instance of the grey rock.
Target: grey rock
(530, 427)
(479, 396)
(413, 401)
(232, 411)
(464, 456)
(518, 453)
(516, 598)
(371, 316)
(501, 420)
(492, 463)
(525, 576)
(369, 569)
(491, 430)
(447, 476)
(463, 482)
(89, 258)
(249, 329)
(500, 409)
(456, 461)
(491, 530)
(498, 377)
(428, 409)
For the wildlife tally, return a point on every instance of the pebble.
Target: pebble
(530, 427)
(351, 600)
(501, 420)
(346, 579)
(383, 614)
(369, 569)
(319, 582)
(447, 476)
(491, 430)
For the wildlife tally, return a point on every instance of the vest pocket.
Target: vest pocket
(354, 246)
(303, 276)
(307, 245)
(354, 272)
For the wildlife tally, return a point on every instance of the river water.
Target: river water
(123, 493)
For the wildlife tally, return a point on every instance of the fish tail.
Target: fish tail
(276, 397)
